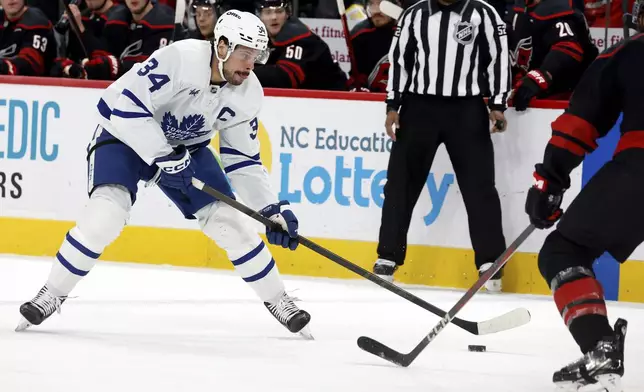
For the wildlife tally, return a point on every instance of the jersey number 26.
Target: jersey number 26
(157, 80)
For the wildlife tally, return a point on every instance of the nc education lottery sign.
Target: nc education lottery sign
(328, 157)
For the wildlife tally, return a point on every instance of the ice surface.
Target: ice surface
(150, 328)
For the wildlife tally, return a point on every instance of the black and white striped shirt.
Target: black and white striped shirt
(456, 50)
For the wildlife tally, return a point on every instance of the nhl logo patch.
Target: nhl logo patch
(464, 33)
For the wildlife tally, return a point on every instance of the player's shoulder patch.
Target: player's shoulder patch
(552, 9)
(361, 28)
(637, 37)
(160, 16)
(119, 12)
(634, 44)
(35, 18)
(292, 31)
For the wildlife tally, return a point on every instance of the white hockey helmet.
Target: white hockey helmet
(242, 28)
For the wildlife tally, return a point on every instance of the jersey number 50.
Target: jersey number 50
(294, 52)
(158, 80)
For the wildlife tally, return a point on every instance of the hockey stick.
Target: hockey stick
(179, 14)
(626, 21)
(390, 9)
(376, 348)
(512, 319)
(74, 26)
(347, 38)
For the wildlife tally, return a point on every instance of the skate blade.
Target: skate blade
(605, 383)
(306, 333)
(567, 387)
(388, 278)
(611, 382)
(493, 286)
(22, 325)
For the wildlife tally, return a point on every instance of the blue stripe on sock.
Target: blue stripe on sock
(260, 275)
(232, 151)
(70, 267)
(240, 165)
(81, 248)
(250, 254)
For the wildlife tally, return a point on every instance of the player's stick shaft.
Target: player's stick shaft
(75, 27)
(470, 326)
(347, 38)
(374, 347)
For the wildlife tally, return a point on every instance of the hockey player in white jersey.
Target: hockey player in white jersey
(155, 124)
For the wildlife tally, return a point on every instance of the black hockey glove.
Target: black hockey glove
(528, 87)
(64, 67)
(543, 202)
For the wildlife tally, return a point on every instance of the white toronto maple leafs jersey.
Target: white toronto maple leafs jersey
(168, 100)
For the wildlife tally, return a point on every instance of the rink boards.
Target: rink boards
(326, 153)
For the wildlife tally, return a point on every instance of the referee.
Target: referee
(446, 56)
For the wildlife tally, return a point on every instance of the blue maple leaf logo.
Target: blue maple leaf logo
(191, 126)
(169, 122)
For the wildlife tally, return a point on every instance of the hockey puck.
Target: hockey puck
(473, 347)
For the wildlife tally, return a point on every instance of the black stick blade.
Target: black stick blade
(380, 350)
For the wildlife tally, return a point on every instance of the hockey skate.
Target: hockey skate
(604, 365)
(290, 316)
(39, 309)
(385, 269)
(494, 285)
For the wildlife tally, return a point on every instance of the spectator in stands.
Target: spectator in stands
(205, 14)
(27, 43)
(599, 16)
(550, 48)
(299, 58)
(152, 28)
(101, 25)
(371, 40)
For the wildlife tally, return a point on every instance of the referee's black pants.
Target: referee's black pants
(462, 124)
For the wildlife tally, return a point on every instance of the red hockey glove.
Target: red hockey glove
(543, 202)
(530, 85)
